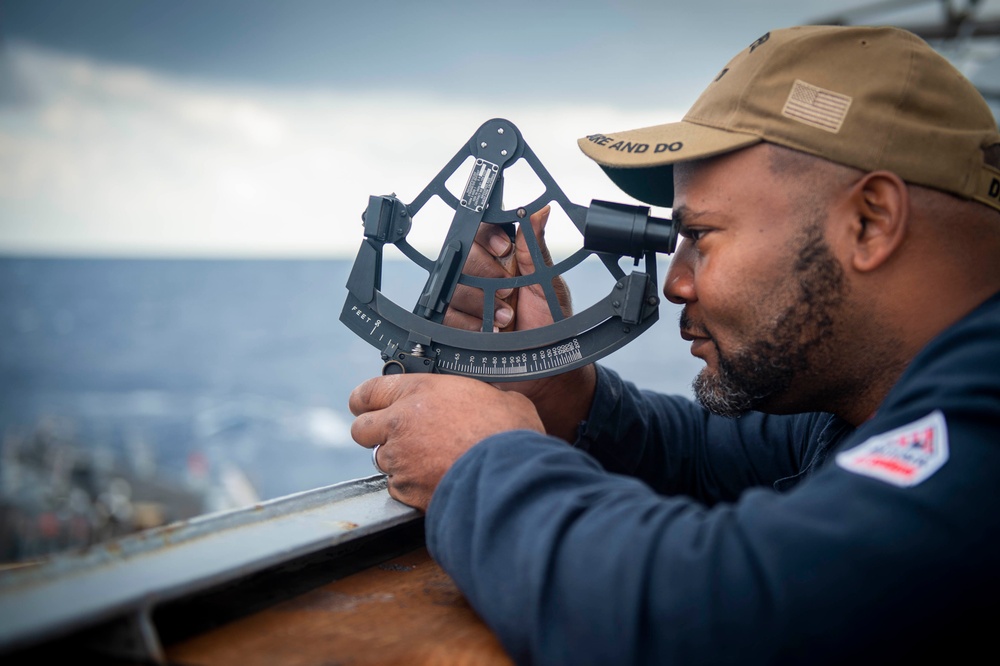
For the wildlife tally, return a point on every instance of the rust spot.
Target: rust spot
(173, 527)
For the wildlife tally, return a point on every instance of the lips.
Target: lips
(692, 333)
(689, 329)
(695, 334)
(698, 344)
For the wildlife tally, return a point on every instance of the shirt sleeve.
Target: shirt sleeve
(571, 565)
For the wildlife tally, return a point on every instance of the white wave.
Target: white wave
(328, 429)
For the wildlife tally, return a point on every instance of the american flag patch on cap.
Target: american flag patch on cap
(903, 457)
(817, 107)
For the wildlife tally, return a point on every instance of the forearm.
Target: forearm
(566, 562)
(569, 564)
(564, 401)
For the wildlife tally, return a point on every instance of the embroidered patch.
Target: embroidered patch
(817, 107)
(903, 457)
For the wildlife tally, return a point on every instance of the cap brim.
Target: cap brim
(640, 161)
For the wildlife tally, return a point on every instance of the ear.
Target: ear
(880, 205)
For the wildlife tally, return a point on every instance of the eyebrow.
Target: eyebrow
(684, 216)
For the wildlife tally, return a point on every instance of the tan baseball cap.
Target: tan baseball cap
(870, 98)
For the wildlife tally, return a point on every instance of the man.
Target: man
(834, 496)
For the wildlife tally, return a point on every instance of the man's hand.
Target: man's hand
(564, 400)
(424, 422)
(494, 256)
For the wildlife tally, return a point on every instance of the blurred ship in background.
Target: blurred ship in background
(135, 393)
(56, 494)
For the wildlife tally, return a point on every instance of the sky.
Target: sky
(258, 128)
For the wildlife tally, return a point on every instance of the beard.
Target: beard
(759, 375)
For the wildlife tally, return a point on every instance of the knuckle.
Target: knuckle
(361, 427)
(397, 422)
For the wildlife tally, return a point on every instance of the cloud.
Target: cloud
(105, 159)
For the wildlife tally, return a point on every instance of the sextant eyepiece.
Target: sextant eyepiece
(627, 230)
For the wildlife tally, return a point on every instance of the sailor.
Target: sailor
(833, 495)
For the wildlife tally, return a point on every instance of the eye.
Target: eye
(692, 234)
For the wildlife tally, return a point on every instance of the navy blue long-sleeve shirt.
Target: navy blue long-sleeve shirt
(671, 536)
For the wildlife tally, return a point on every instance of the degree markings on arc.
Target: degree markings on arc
(541, 360)
(503, 363)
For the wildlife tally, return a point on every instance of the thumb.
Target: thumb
(381, 392)
(525, 261)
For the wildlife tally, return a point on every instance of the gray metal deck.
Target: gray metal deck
(116, 585)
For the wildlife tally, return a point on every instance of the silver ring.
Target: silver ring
(375, 461)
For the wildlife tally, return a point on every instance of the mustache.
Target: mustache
(692, 327)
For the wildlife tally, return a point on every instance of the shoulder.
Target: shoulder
(943, 413)
(957, 371)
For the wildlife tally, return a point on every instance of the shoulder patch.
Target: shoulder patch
(903, 457)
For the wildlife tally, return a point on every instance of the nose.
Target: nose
(678, 287)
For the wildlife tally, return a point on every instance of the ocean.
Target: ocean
(228, 378)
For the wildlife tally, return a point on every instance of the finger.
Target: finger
(503, 317)
(368, 430)
(469, 301)
(537, 221)
(375, 404)
(537, 226)
(379, 392)
(493, 238)
(408, 492)
(482, 263)
(460, 320)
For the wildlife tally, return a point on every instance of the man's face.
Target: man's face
(760, 286)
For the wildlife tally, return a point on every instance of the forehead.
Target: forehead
(743, 193)
(731, 181)
(728, 165)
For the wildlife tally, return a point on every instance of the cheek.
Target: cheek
(736, 291)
